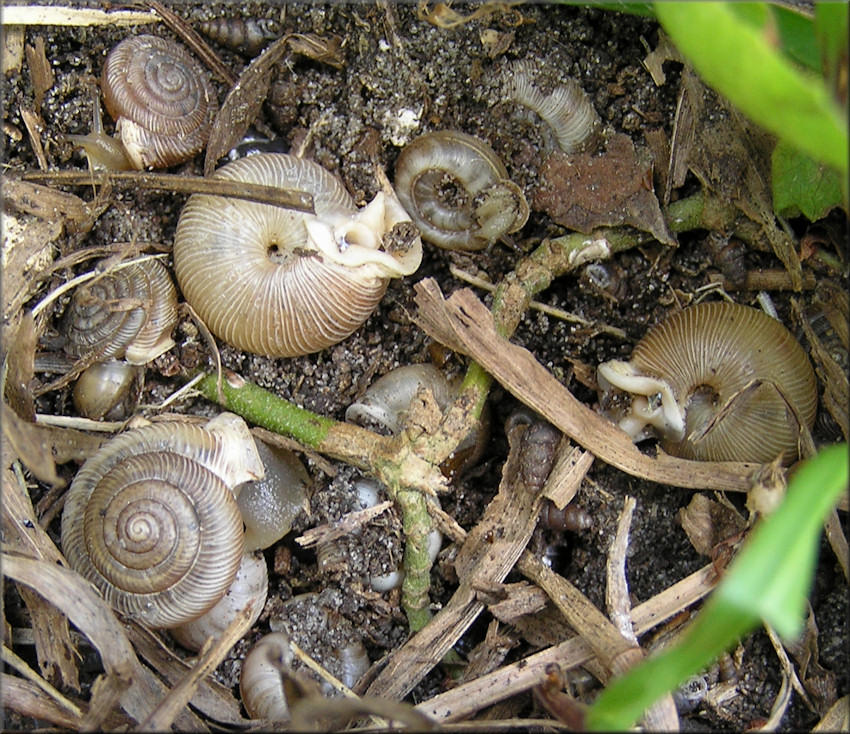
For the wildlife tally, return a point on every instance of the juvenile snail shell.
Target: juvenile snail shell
(127, 312)
(161, 101)
(261, 684)
(719, 382)
(151, 520)
(566, 109)
(100, 388)
(457, 191)
(269, 505)
(353, 662)
(249, 589)
(282, 283)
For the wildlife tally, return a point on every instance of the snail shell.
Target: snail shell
(457, 191)
(261, 685)
(245, 36)
(269, 505)
(279, 282)
(720, 382)
(249, 589)
(161, 101)
(101, 388)
(127, 312)
(151, 520)
(566, 109)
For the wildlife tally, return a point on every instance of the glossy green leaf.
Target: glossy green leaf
(831, 30)
(768, 580)
(743, 62)
(801, 186)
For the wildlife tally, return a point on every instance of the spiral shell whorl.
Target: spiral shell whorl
(710, 352)
(151, 520)
(464, 167)
(279, 282)
(161, 101)
(127, 312)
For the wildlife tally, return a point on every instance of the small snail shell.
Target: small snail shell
(261, 684)
(249, 589)
(353, 662)
(570, 518)
(101, 388)
(457, 191)
(387, 400)
(716, 380)
(127, 312)
(566, 109)
(160, 99)
(151, 520)
(245, 36)
(282, 283)
(269, 505)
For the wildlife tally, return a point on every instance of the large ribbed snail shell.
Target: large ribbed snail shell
(160, 99)
(457, 191)
(278, 282)
(152, 522)
(127, 312)
(720, 382)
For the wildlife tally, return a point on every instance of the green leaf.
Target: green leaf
(797, 36)
(742, 62)
(801, 186)
(768, 580)
(644, 9)
(831, 26)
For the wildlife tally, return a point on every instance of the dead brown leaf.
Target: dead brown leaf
(583, 191)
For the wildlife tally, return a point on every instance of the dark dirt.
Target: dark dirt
(394, 62)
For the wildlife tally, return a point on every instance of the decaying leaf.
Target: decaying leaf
(708, 523)
(583, 191)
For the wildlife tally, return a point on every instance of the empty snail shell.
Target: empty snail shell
(269, 505)
(151, 520)
(457, 191)
(565, 109)
(261, 684)
(101, 388)
(279, 282)
(249, 589)
(719, 382)
(161, 101)
(128, 312)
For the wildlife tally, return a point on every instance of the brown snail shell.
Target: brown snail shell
(127, 312)
(102, 387)
(720, 382)
(282, 283)
(161, 101)
(151, 519)
(243, 35)
(457, 191)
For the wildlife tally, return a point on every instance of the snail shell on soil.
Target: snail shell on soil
(282, 283)
(249, 588)
(457, 191)
(100, 388)
(269, 505)
(566, 109)
(245, 36)
(719, 382)
(161, 101)
(152, 522)
(127, 312)
(261, 685)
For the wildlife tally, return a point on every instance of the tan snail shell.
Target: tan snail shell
(564, 107)
(126, 312)
(278, 282)
(457, 191)
(261, 685)
(249, 589)
(161, 101)
(100, 389)
(243, 35)
(718, 381)
(151, 520)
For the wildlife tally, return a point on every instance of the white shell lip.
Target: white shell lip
(353, 240)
